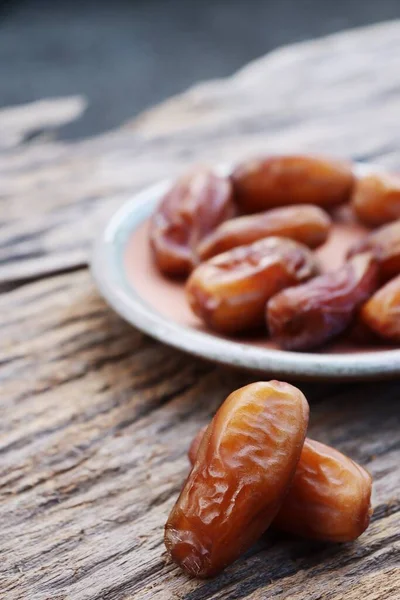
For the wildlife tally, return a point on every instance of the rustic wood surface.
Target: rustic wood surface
(96, 417)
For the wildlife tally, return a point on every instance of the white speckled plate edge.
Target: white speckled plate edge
(107, 268)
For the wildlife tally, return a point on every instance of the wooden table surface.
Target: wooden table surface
(96, 418)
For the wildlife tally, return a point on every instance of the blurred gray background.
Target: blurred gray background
(125, 55)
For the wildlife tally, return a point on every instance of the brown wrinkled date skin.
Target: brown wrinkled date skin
(382, 312)
(304, 223)
(264, 183)
(195, 445)
(384, 243)
(190, 210)
(329, 498)
(243, 468)
(229, 291)
(376, 198)
(308, 315)
(359, 333)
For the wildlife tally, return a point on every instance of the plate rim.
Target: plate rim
(106, 271)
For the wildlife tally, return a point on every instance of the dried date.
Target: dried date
(384, 243)
(229, 292)
(189, 211)
(308, 315)
(376, 198)
(382, 312)
(360, 334)
(307, 224)
(264, 183)
(329, 498)
(195, 445)
(243, 468)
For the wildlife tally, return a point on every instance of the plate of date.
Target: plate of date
(283, 265)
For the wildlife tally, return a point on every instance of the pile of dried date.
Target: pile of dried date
(253, 467)
(246, 242)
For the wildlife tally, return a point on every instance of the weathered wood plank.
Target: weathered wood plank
(96, 417)
(96, 422)
(20, 124)
(338, 95)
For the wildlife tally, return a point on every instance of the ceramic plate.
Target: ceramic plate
(125, 275)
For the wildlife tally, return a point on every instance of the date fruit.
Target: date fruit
(229, 292)
(329, 498)
(268, 182)
(384, 243)
(360, 334)
(376, 198)
(304, 223)
(382, 312)
(243, 468)
(308, 315)
(195, 445)
(189, 211)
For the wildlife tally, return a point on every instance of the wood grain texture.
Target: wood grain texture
(20, 124)
(97, 418)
